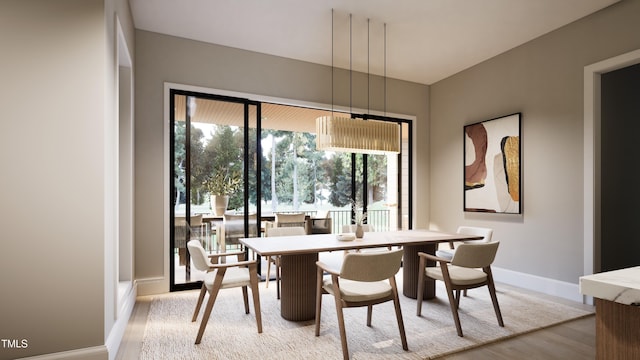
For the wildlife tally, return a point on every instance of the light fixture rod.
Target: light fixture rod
(368, 69)
(350, 64)
(332, 67)
(360, 134)
(385, 69)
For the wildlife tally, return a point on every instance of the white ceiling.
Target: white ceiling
(426, 40)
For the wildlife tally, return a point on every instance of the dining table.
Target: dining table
(299, 254)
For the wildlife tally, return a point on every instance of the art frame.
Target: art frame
(492, 165)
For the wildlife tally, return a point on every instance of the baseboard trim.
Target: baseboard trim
(117, 332)
(541, 284)
(152, 286)
(90, 353)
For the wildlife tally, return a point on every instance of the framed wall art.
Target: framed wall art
(492, 171)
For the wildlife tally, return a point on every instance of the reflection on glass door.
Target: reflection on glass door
(209, 145)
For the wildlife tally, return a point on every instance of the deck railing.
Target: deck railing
(379, 219)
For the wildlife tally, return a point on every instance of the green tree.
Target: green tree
(253, 167)
(197, 175)
(377, 178)
(340, 181)
(180, 134)
(180, 163)
(283, 167)
(312, 173)
(223, 154)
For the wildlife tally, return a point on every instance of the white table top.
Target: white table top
(621, 286)
(306, 244)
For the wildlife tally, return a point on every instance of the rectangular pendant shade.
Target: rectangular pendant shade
(357, 136)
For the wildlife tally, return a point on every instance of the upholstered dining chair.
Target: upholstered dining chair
(460, 273)
(279, 231)
(222, 276)
(486, 233)
(365, 279)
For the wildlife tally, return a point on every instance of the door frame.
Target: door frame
(246, 104)
(592, 155)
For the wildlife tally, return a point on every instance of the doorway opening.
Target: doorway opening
(592, 155)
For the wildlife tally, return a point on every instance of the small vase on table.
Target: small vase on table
(359, 231)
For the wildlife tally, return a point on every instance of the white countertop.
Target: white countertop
(621, 286)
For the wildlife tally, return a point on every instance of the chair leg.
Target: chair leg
(268, 271)
(203, 290)
(396, 303)
(278, 277)
(213, 294)
(494, 298)
(245, 297)
(318, 300)
(369, 312)
(343, 332)
(253, 272)
(207, 312)
(452, 300)
(420, 296)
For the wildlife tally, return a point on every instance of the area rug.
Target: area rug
(232, 334)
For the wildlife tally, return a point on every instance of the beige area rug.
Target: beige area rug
(231, 334)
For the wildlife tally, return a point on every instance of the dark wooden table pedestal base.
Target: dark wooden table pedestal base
(298, 287)
(410, 271)
(298, 281)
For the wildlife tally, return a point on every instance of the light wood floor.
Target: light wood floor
(573, 340)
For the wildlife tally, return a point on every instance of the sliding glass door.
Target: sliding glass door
(235, 163)
(213, 169)
(382, 185)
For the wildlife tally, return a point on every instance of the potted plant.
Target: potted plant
(220, 185)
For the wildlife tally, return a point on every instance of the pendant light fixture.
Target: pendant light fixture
(344, 134)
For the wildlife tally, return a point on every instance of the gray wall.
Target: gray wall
(543, 79)
(161, 58)
(58, 100)
(620, 245)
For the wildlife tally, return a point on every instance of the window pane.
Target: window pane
(382, 191)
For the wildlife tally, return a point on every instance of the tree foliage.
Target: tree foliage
(293, 171)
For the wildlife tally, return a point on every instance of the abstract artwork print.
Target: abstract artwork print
(492, 165)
